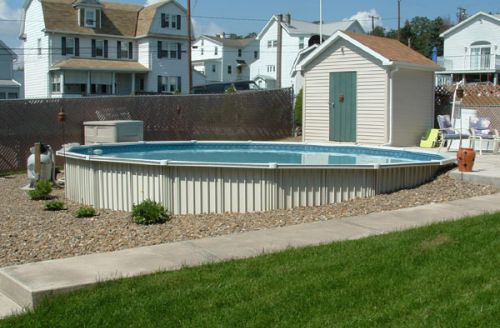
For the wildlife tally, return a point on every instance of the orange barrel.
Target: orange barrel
(465, 159)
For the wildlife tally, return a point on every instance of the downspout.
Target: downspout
(392, 71)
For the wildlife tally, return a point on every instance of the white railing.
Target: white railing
(470, 62)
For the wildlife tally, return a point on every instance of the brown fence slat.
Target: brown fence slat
(262, 115)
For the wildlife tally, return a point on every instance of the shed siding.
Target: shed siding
(413, 106)
(371, 94)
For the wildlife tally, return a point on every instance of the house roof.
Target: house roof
(12, 53)
(388, 51)
(9, 83)
(300, 27)
(118, 19)
(471, 18)
(235, 43)
(80, 64)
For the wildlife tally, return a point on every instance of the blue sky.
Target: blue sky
(255, 12)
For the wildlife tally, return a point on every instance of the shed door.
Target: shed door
(343, 106)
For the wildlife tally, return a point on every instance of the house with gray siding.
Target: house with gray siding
(9, 87)
(367, 90)
(75, 48)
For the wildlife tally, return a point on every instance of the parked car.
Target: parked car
(222, 87)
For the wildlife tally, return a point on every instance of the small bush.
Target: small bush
(85, 212)
(42, 190)
(297, 113)
(231, 90)
(149, 212)
(54, 205)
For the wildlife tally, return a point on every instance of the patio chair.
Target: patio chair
(448, 133)
(480, 129)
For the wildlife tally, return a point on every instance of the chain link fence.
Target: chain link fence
(262, 115)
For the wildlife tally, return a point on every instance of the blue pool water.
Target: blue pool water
(255, 153)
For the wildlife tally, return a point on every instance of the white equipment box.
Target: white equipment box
(113, 131)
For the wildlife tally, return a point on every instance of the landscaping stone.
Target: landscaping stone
(28, 233)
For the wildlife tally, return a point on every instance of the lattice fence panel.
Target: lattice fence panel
(262, 115)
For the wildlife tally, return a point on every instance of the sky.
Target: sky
(246, 16)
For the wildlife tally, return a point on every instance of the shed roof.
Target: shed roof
(388, 51)
(80, 64)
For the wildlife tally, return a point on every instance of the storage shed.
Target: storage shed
(367, 90)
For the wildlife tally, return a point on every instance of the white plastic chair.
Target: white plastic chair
(480, 129)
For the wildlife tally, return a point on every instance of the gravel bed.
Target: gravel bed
(28, 233)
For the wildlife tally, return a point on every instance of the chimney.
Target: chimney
(288, 19)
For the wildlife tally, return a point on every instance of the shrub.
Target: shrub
(54, 205)
(231, 90)
(297, 113)
(149, 212)
(85, 212)
(42, 190)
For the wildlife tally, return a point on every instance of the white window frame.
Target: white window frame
(173, 22)
(270, 43)
(169, 84)
(101, 48)
(88, 22)
(216, 50)
(124, 50)
(55, 82)
(275, 43)
(70, 46)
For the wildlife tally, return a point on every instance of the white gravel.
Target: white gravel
(28, 233)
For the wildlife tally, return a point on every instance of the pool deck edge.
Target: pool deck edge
(28, 284)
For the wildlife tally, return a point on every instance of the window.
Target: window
(269, 43)
(141, 85)
(271, 68)
(56, 82)
(239, 70)
(213, 68)
(480, 55)
(169, 84)
(3, 95)
(256, 54)
(202, 43)
(301, 42)
(39, 46)
(99, 48)
(275, 43)
(90, 17)
(12, 95)
(216, 50)
(70, 46)
(202, 52)
(171, 50)
(171, 21)
(229, 69)
(239, 52)
(124, 50)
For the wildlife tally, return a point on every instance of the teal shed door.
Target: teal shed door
(343, 106)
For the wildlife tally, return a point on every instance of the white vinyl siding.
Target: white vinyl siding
(372, 81)
(413, 106)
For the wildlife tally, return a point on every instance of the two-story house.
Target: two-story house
(224, 59)
(77, 48)
(9, 87)
(471, 51)
(281, 40)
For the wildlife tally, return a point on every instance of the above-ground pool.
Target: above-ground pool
(217, 177)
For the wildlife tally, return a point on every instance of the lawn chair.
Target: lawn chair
(448, 133)
(480, 129)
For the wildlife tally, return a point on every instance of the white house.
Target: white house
(88, 47)
(366, 89)
(281, 40)
(9, 87)
(472, 51)
(222, 59)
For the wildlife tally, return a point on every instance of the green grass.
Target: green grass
(444, 275)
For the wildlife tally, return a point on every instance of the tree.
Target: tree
(378, 31)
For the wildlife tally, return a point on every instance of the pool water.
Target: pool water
(256, 153)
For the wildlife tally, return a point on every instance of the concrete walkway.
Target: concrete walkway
(25, 285)
(485, 170)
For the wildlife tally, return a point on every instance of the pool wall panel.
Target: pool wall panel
(194, 190)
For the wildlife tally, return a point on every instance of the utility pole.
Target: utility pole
(373, 21)
(190, 69)
(320, 22)
(279, 54)
(399, 20)
(460, 14)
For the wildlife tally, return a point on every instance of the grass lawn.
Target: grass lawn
(444, 275)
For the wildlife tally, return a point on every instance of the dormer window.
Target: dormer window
(90, 17)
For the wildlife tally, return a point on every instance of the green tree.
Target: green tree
(378, 31)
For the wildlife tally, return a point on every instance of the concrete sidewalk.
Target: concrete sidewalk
(26, 285)
(485, 171)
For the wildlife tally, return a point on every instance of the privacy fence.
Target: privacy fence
(484, 97)
(263, 115)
